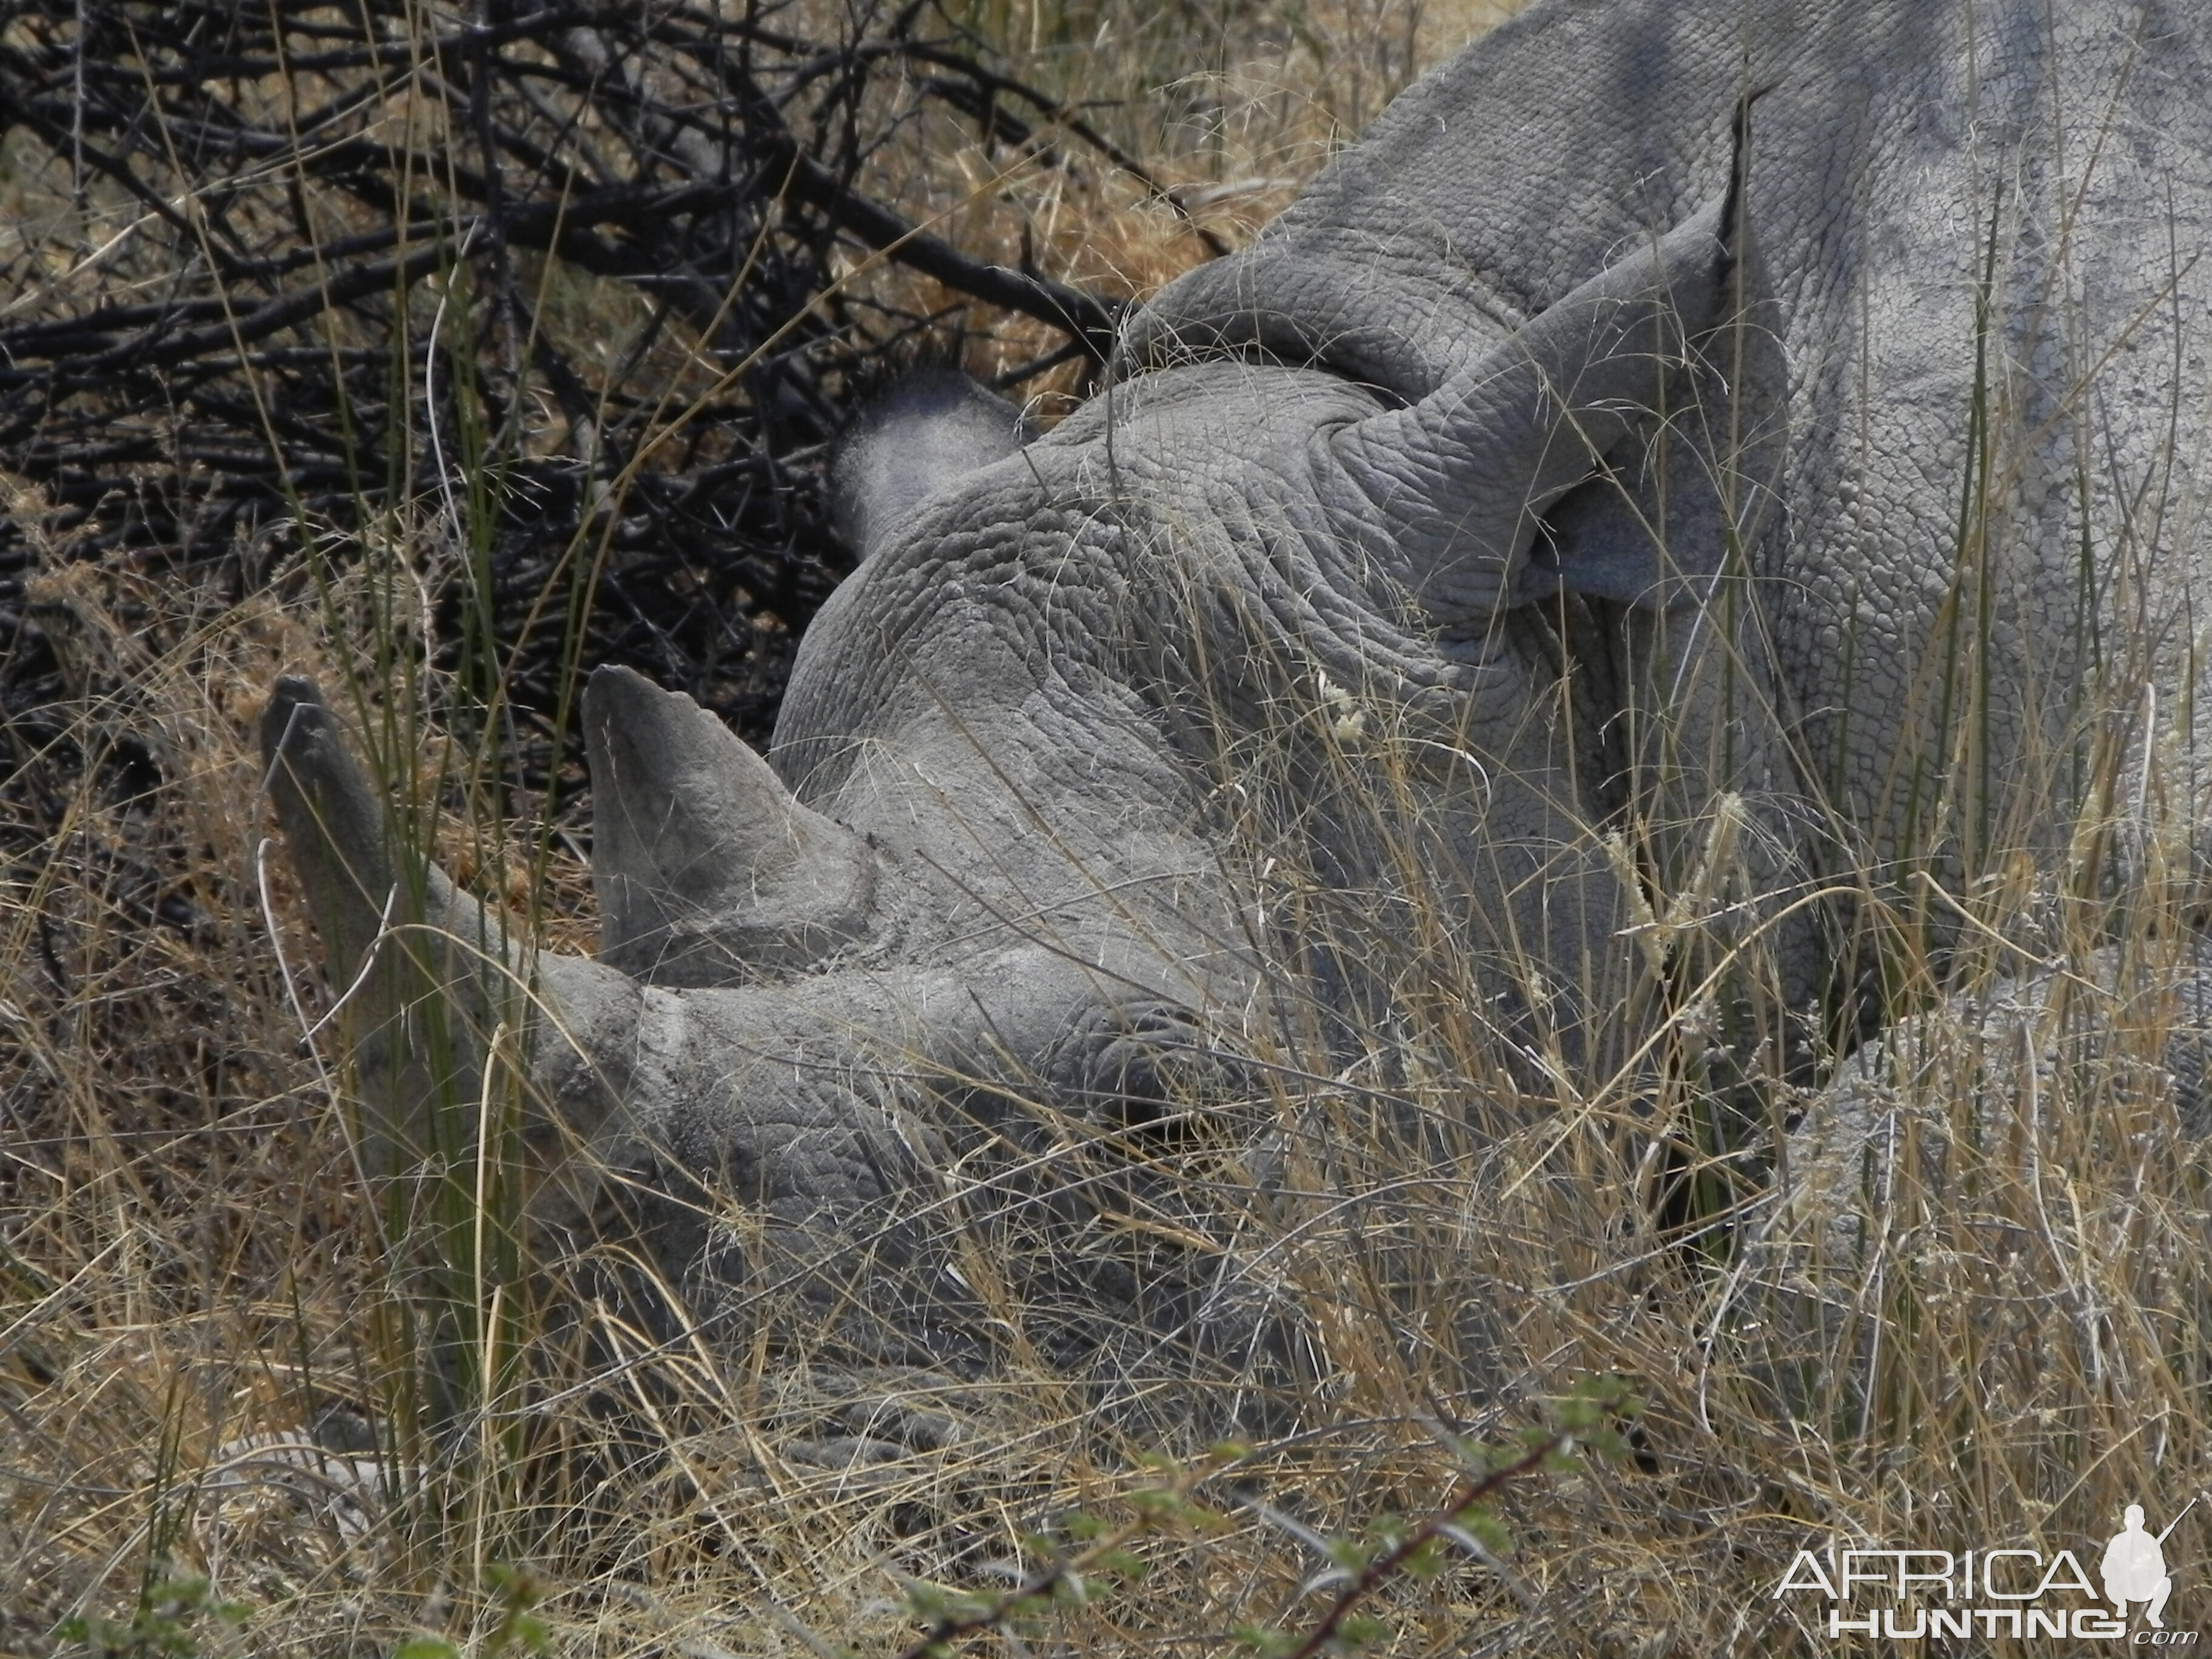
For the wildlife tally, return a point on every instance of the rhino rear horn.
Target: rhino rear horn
(708, 869)
(1449, 494)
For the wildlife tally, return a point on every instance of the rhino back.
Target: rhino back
(1983, 232)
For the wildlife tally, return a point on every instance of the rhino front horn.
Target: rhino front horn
(333, 823)
(707, 867)
(426, 974)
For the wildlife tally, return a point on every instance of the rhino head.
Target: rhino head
(977, 946)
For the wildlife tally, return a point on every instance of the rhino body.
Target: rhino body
(1789, 405)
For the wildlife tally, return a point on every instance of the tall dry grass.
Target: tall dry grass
(1979, 1317)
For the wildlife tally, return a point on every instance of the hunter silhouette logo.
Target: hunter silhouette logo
(2135, 1565)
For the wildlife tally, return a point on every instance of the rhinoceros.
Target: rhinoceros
(1690, 456)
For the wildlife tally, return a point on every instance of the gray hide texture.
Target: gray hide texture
(1584, 459)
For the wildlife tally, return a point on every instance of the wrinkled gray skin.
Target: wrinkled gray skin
(1402, 458)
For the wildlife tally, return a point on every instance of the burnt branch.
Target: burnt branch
(284, 261)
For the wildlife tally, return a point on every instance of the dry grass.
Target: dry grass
(1985, 1323)
(1231, 107)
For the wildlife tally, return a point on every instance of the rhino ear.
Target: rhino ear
(708, 869)
(927, 431)
(1448, 493)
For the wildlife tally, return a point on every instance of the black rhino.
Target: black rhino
(1705, 451)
